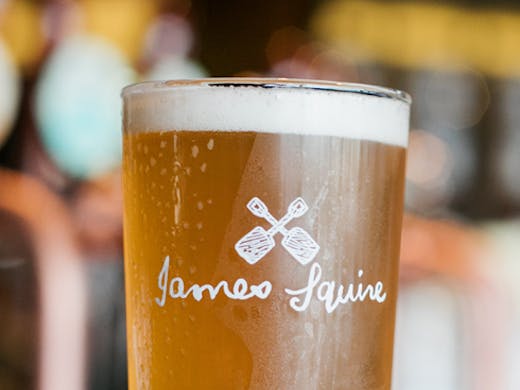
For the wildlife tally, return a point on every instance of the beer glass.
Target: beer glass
(262, 230)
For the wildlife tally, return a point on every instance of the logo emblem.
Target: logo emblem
(259, 242)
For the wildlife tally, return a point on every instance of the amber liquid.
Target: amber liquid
(185, 199)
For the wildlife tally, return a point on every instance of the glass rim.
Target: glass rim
(147, 87)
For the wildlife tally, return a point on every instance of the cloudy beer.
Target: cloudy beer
(262, 228)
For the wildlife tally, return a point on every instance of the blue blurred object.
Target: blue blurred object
(78, 106)
(174, 67)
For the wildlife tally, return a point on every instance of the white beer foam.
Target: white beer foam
(305, 111)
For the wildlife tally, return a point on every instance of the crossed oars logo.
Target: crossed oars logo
(258, 242)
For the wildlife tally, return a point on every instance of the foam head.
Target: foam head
(270, 105)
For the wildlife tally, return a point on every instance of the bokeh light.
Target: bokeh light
(78, 105)
(9, 92)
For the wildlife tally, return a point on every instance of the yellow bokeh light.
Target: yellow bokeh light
(422, 35)
(21, 29)
(121, 22)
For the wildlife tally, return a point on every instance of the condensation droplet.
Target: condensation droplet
(193, 269)
(153, 161)
(210, 201)
(200, 205)
(194, 151)
(199, 225)
(163, 171)
(163, 144)
(211, 144)
(186, 225)
(203, 167)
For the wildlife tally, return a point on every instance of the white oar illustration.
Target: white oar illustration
(258, 242)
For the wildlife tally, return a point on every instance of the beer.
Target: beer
(262, 227)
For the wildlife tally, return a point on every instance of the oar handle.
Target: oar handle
(296, 209)
(257, 207)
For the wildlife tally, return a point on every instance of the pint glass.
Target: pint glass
(262, 231)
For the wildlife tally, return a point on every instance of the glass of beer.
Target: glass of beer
(262, 231)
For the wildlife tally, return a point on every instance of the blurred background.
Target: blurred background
(62, 65)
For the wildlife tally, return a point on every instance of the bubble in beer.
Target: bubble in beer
(211, 143)
(194, 151)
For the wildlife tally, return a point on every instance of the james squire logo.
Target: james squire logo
(253, 247)
(259, 242)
